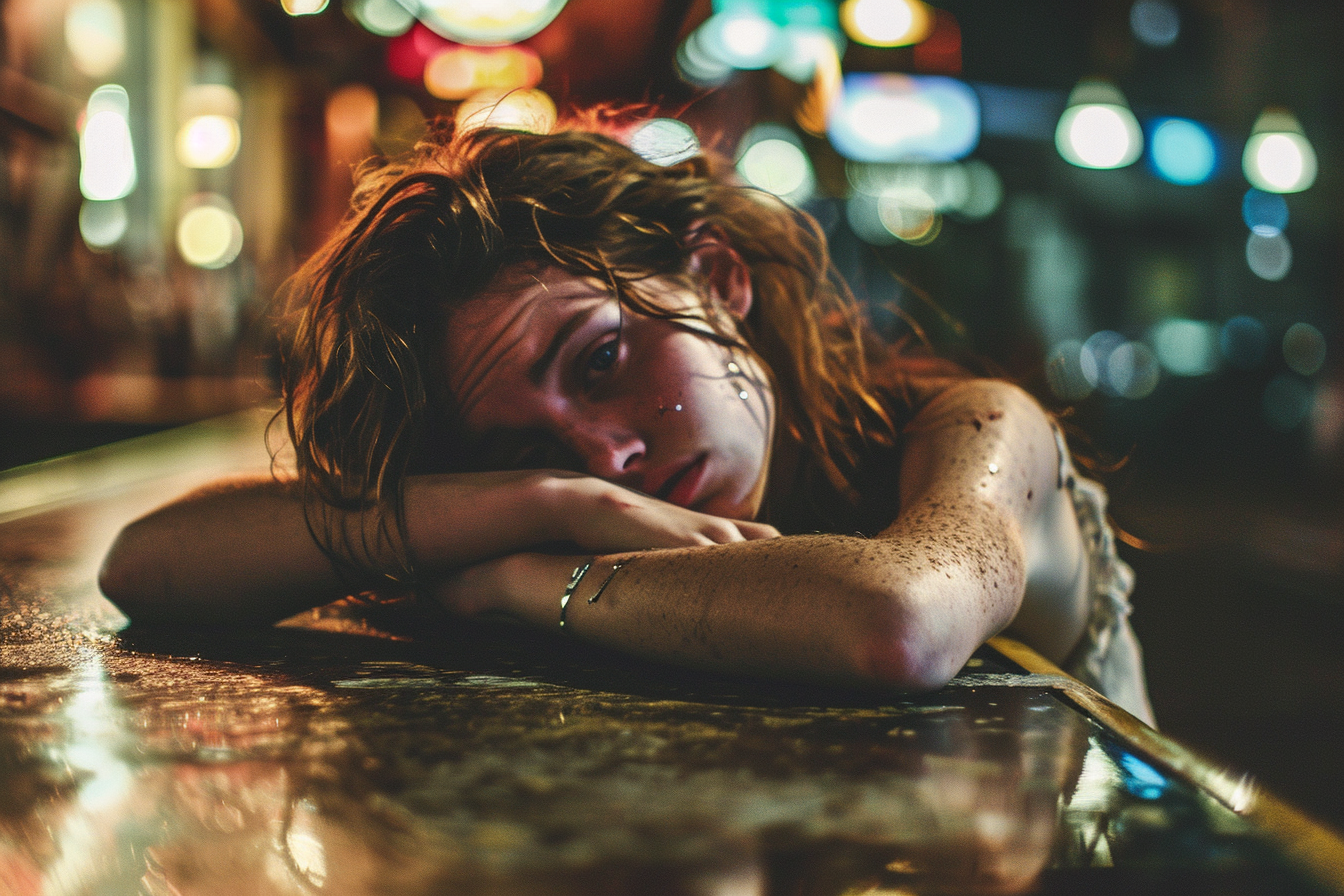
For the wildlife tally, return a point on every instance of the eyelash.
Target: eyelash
(604, 356)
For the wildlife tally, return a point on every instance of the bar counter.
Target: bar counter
(363, 749)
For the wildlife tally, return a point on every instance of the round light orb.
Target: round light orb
(488, 22)
(1099, 136)
(1185, 347)
(385, 18)
(1279, 162)
(530, 110)
(665, 141)
(1182, 151)
(1156, 23)
(208, 141)
(1064, 371)
(95, 35)
(1304, 349)
(776, 163)
(1269, 257)
(1265, 214)
(886, 23)
(209, 234)
(103, 224)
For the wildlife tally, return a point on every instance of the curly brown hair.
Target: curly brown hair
(365, 315)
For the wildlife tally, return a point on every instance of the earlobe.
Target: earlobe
(715, 259)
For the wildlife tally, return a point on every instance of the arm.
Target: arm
(242, 551)
(906, 608)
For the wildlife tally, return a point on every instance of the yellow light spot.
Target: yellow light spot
(886, 23)
(522, 110)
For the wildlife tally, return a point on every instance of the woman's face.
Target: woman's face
(547, 370)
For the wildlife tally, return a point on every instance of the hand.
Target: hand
(601, 517)
(505, 584)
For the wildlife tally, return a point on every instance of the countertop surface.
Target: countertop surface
(390, 749)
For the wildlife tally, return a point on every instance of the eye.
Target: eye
(605, 356)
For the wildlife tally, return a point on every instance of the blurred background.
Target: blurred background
(1130, 206)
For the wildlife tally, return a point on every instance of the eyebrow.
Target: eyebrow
(537, 370)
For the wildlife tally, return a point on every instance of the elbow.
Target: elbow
(128, 578)
(904, 650)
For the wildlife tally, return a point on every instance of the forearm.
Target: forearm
(250, 550)
(822, 607)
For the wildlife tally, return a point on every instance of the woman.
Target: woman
(538, 375)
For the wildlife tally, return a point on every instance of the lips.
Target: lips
(681, 487)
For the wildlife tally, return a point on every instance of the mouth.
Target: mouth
(680, 488)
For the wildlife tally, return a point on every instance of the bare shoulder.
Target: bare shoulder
(988, 444)
(984, 435)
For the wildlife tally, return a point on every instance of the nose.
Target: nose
(608, 448)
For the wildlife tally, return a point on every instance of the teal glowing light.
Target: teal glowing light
(1182, 151)
(888, 117)
(1264, 213)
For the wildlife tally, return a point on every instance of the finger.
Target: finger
(752, 530)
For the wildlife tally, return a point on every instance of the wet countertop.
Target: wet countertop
(387, 749)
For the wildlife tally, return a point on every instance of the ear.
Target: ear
(718, 262)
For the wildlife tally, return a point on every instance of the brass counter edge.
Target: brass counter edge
(1314, 846)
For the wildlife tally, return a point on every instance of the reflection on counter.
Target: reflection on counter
(453, 757)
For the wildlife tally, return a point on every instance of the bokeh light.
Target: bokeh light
(208, 141)
(1182, 151)
(304, 7)
(385, 18)
(772, 158)
(1185, 347)
(209, 136)
(488, 21)
(103, 224)
(741, 38)
(529, 110)
(95, 34)
(1156, 23)
(1243, 341)
(971, 189)
(1132, 371)
(665, 141)
(107, 155)
(1094, 358)
(1064, 371)
(984, 193)
(209, 234)
(351, 118)
(888, 117)
(1265, 214)
(1278, 157)
(410, 52)
(910, 215)
(886, 23)
(1097, 129)
(1286, 402)
(1304, 349)
(1117, 366)
(697, 65)
(804, 48)
(1269, 257)
(458, 71)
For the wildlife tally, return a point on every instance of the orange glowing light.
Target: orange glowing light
(457, 71)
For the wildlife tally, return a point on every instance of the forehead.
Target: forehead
(493, 341)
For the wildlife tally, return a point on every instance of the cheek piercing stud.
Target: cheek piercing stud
(734, 370)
